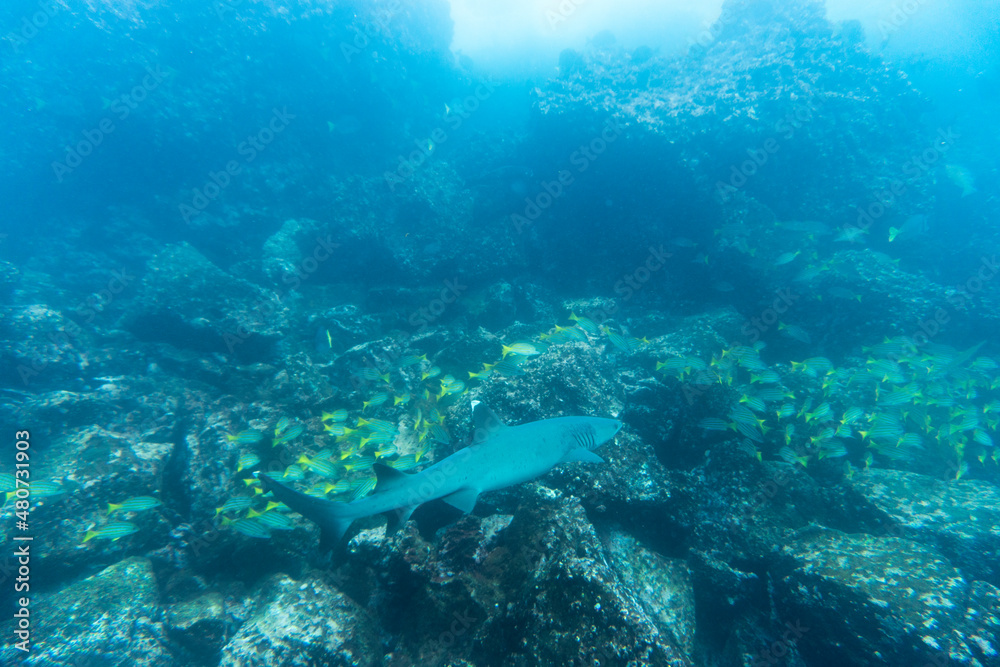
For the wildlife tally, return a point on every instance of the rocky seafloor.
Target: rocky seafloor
(134, 352)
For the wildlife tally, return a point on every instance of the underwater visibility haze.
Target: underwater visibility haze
(411, 333)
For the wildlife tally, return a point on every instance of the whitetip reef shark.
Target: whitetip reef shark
(499, 456)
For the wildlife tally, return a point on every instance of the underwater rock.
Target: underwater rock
(94, 466)
(571, 601)
(43, 348)
(959, 518)
(188, 302)
(662, 587)
(863, 600)
(105, 619)
(285, 258)
(304, 622)
(200, 625)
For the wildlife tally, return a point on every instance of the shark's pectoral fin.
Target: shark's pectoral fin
(463, 499)
(397, 517)
(583, 455)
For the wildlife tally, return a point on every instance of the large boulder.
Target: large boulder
(111, 618)
(863, 600)
(187, 301)
(305, 622)
(959, 518)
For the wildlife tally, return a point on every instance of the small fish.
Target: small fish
(363, 488)
(7, 482)
(509, 367)
(111, 531)
(585, 323)
(402, 399)
(755, 403)
(405, 462)
(617, 339)
(795, 331)
(786, 257)
(451, 387)
(430, 373)
(713, 424)
(136, 504)
(247, 460)
(360, 463)
(850, 233)
(789, 455)
(821, 413)
(293, 431)
(637, 343)
(41, 489)
(340, 486)
(843, 293)
(282, 425)
(387, 449)
(329, 339)
(440, 434)
(247, 437)
(766, 377)
(272, 519)
(852, 415)
(722, 286)
(380, 425)
(808, 273)
(293, 472)
(338, 430)
(376, 400)
(371, 374)
(523, 349)
(683, 242)
(234, 504)
(676, 365)
(336, 416)
(483, 374)
(814, 366)
(248, 527)
(318, 466)
(411, 360)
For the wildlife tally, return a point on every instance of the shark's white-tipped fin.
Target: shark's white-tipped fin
(582, 455)
(463, 499)
(485, 422)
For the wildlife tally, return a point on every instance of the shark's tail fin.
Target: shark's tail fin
(332, 518)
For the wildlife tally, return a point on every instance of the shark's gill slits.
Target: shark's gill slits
(584, 436)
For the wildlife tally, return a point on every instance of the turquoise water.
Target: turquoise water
(259, 261)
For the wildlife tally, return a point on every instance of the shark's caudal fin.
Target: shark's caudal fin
(332, 518)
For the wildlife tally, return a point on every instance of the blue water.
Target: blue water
(762, 235)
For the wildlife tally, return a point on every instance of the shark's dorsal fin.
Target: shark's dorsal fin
(485, 423)
(463, 499)
(386, 478)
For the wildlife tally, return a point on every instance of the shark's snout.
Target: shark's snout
(605, 430)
